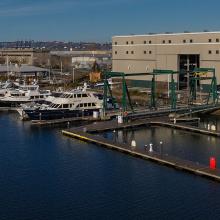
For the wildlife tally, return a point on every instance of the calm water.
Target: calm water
(47, 176)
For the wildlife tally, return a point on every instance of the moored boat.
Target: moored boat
(75, 103)
(14, 97)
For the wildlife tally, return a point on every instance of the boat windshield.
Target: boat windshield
(54, 105)
(26, 88)
(66, 96)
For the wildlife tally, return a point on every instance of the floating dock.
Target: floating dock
(63, 121)
(186, 128)
(162, 122)
(85, 133)
(167, 160)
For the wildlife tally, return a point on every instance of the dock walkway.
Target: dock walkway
(86, 133)
(186, 128)
(64, 120)
(163, 122)
(113, 125)
(167, 160)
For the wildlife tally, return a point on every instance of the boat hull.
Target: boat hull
(4, 103)
(11, 103)
(57, 113)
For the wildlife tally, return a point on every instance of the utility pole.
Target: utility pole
(61, 67)
(73, 74)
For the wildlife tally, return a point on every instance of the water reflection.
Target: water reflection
(187, 145)
(210, 123)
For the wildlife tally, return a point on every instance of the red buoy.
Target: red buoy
(212, 163)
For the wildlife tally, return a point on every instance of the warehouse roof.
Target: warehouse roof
(21, 69)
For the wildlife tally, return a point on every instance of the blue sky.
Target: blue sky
(99, 20)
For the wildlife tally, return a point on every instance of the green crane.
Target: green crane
(202, 74)
(172, 87)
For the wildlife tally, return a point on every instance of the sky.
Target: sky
(99, 20)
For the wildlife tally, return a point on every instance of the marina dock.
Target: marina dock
(64, 121)
(161, 121)
(166, 160)
(86, 133)
(186, 128)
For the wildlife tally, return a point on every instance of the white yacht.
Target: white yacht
(14, 97)
(75, 103)
(70, 104)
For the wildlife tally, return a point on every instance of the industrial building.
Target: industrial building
(22, 70)
(82, 59)
(180, 52)
(80, 63)
(27, 56)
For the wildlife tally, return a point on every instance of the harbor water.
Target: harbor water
(45, 175)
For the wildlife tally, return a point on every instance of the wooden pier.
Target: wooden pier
(113, 125)
(186, 128)
(177, 163)
(162, 122)
(64, 121)
(86, 133)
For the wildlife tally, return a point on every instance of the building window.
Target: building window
(217, 40)
(145, 51)
(145, 42)
(170, 41)
(126, 42)
(210, 52)
(217, 51)
(210, 40)
(126, 52)
(184, 41)
(191, 41)
(116, 52)
(132, 52)
(164, 42)
(150, 52)
(132, 42)
(150, 42)
(116, 43)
